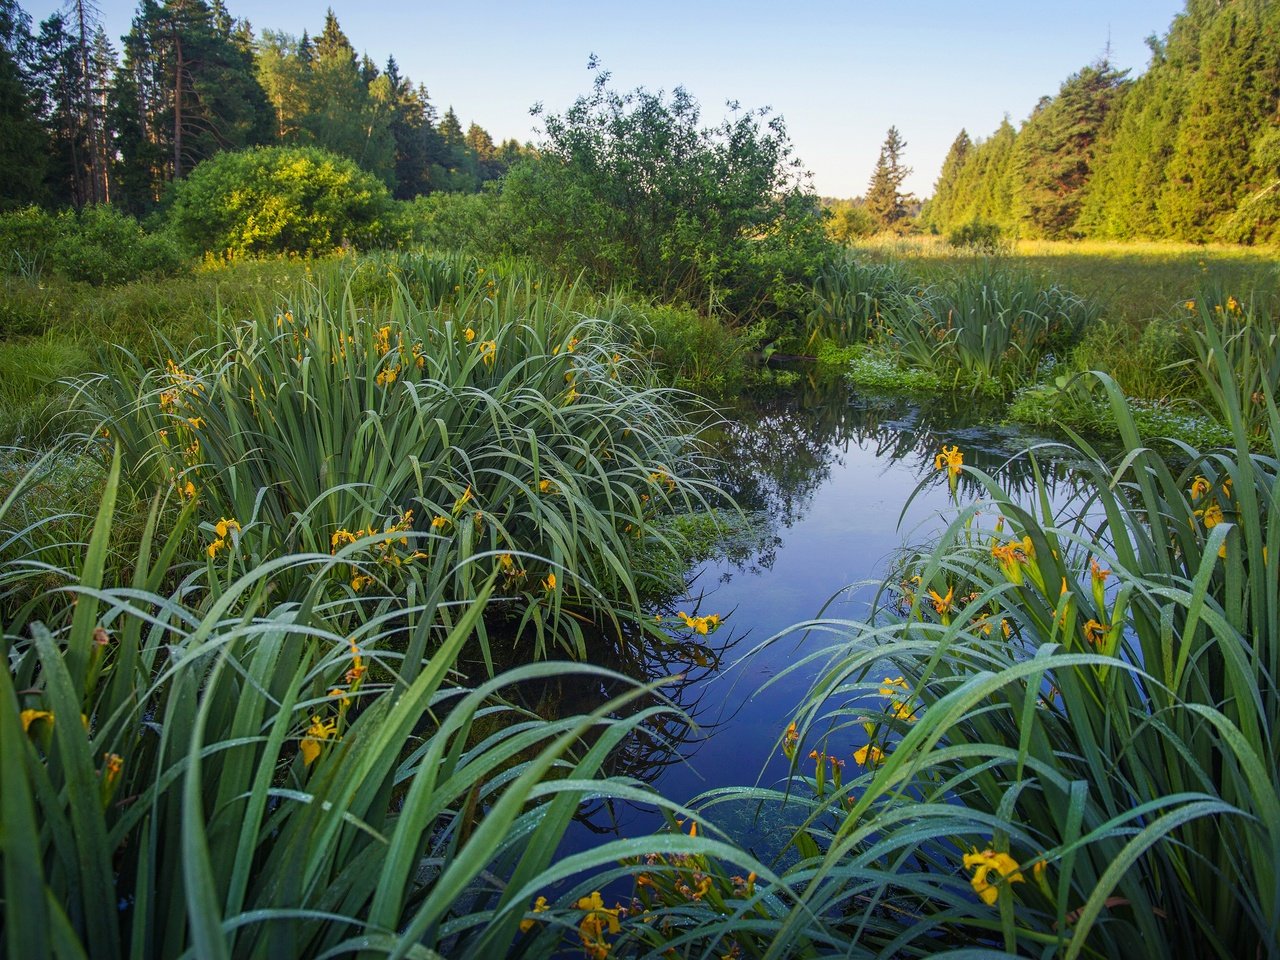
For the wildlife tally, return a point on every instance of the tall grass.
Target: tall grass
(849, 296)
(1066, 722)
(987, 326)
(211, 773)
(494, 423)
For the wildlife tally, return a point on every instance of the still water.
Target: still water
(836, 485)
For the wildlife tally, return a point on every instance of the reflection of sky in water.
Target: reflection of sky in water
(834, 473)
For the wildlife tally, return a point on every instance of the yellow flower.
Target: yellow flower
(1095, 632)
(984, 863)
(214, 547)
(489, 352)
(902, 710)
(539, 906)
(225, 526)
(357, 667)
(1199, 487)
(439, 523)
(318, 731)
(112, 764)
(549, 583)
(890, 687)
(360, 581)
(1190, 304)
(951, 458)
(1097, 571)
(869, 755)
(35, 716)
(789, 741)
(546, 486)
(1211, 515)
(469, 335)
(598, 920)
(943, 604)
(462, 501)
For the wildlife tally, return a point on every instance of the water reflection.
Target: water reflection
(778, 447)
(680, 667)
(836, 484)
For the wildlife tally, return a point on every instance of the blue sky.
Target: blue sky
(840, 73)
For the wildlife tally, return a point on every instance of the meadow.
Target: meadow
(301, 556)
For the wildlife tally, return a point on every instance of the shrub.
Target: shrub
(468, 222)
(271, 200)
(97, 245)
(979, 236)
(848, 221)
(634, 190)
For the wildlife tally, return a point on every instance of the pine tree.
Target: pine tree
(417, 145)
(937, 213)
(1231, 99)
(343, 115)
(186, 90)
(22, 139)
(1055, 151)
(885, 200)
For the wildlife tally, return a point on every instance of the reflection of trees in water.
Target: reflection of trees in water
(779, 447)
(664, 738)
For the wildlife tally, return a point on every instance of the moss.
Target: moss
(878, 370)
(1048, 406)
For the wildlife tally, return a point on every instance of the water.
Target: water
(837, 485)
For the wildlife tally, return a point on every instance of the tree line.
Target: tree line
(1188, 151)
(83, 122)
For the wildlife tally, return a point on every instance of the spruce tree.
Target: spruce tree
(938, 211)
(885, 200)
(1055, 151)
(22, 139)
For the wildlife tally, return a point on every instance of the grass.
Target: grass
(248, 782)
(233, 722)
(1130, 282)
(1078, 755)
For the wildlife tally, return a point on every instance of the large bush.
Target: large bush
(280, 200)
(96, 245)
(633, 189)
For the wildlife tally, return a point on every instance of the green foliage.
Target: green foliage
(633, 190)
(280, 200)
(492, 419)
(693, 351)
(98, 245)
(251, 779)
(1184, 152)
(850, 295)
(1055, 151)
(937, 210)
(186, 90)
(885, 200)
(1119, 733)
(470, 222)
(979, 237)
(848, 220)
(22, 140)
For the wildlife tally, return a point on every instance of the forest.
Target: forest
(1189, 150)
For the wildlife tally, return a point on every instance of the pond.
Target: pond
(836, 484)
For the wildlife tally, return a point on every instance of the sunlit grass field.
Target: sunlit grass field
(1131, 282)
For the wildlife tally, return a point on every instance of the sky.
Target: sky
(839, 73)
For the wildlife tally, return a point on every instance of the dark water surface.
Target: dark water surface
(824, 474)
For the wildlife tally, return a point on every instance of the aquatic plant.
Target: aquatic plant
(493, 421)
(207, 771)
